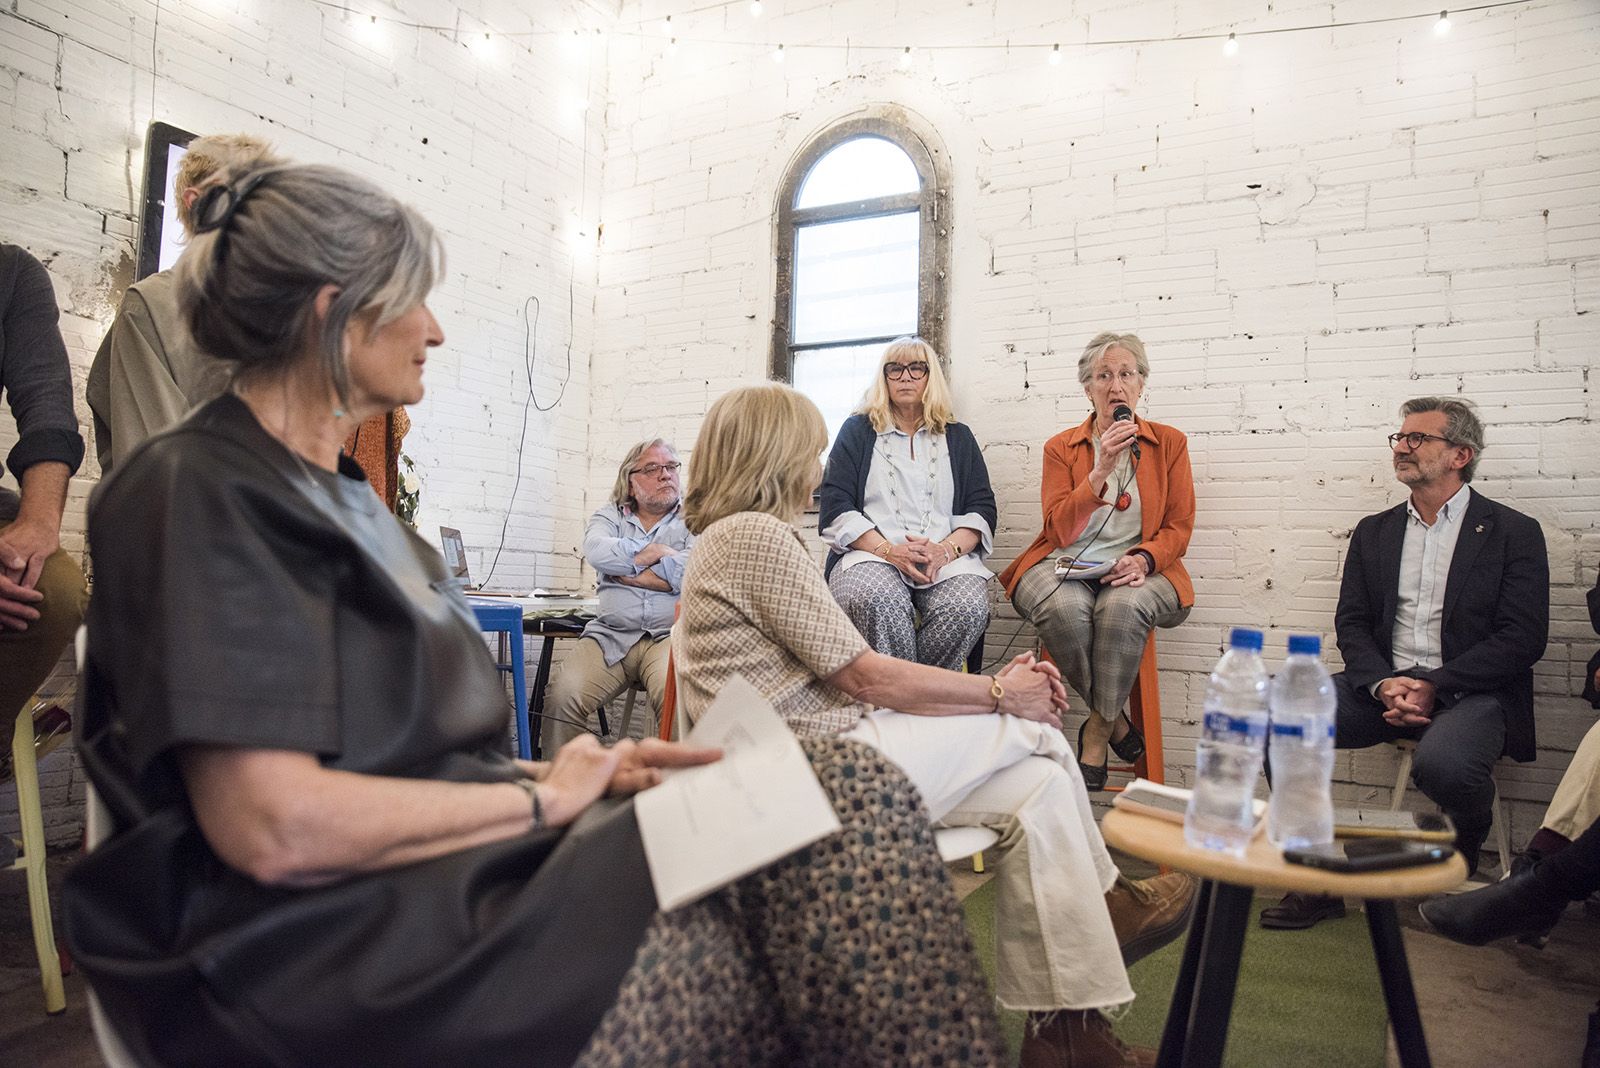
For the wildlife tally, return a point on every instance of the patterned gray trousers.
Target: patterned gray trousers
(1096, 633)
(850, 953)
(955, 613)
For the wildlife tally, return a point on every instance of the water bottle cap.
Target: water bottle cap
(1245, 638)
(1306, 644)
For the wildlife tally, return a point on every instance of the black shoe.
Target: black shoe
(1526, 860)
(1094, 776)
(1514, 906)
(1299, 911)
(1131, 747)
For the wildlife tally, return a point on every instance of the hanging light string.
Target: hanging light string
(667, 32)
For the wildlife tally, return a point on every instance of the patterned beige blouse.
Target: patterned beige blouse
(755, 604)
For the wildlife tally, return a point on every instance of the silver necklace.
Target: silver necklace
(894, 493)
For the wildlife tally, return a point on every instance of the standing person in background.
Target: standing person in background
(41, 587)
(1118, 491)
(639, 546)
(147, 374)
(909, 515)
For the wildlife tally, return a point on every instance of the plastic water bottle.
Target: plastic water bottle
(1300, 811)
(1233, 741)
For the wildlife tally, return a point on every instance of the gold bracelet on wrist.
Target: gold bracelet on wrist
(996, 691)
(950, 547)
(882, 549)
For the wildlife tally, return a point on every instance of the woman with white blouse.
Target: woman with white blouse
(909, 515)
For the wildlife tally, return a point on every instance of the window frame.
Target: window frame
(933, 232)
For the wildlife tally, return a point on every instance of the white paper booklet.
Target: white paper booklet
(704, 827)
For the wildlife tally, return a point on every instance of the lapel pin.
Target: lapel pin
(1479, 530)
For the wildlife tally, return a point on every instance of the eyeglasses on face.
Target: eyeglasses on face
(1127, 378)
(652, 470)
(918, 371)
(1414, 440)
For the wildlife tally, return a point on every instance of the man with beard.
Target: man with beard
(1443, 611)
(638, 546)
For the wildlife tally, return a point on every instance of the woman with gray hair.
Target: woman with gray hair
(322, 853)
(1108, 565)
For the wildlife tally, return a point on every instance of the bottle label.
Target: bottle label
(1250, 729)
(1307, 737)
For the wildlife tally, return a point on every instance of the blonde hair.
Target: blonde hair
(758, 451)
(622, 489)
(936, 410)
(212, 158)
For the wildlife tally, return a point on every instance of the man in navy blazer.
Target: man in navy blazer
(1444, 609)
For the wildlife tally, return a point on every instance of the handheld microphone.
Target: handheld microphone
(1123, 413)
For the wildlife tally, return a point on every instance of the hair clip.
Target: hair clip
(218, 203)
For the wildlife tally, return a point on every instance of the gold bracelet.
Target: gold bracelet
(950, 546)
(882, 550)
(996, 691)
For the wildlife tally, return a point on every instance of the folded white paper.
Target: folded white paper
(704, 827)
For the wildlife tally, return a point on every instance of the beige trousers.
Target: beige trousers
(585, 682)
(1576, 804)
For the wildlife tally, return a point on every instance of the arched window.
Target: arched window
(863, 253)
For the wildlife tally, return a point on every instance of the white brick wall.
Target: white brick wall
(484, 144)
(1305, 235)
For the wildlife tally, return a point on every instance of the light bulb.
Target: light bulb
(1230, 47)
(755, 9)
(1055, 56)
(1442, 27)
(905, 57)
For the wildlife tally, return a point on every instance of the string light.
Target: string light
(755, 9)
(777, 54)
(905, 57)
(1442, 27)
(1055, 56)
(1230, 47)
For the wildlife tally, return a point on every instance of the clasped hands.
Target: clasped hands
(1407, 702)
(919, 558)
(1033, 690)
(583, 771)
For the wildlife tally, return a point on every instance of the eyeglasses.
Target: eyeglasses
(1127, 378)
(918, 371)
(652, 470)
(1414, 440)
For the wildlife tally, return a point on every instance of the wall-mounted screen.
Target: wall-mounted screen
(160, 233)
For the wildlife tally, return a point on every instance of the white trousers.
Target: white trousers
(1055, 947)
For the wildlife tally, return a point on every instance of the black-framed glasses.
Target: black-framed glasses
(896, 371)
(1415, 439)
(652, 470)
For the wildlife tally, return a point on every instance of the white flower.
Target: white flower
(409, 482)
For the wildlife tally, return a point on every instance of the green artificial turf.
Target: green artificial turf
(1305, 998)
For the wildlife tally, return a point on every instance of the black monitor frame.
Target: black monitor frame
(157, 187)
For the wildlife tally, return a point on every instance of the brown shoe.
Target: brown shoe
(1299, 911)
(1151, 912)
(1078, 1038)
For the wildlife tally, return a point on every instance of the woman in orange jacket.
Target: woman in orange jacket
(1108, 565)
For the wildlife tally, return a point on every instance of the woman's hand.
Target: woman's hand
(583, 770)
(937, 555)
(1033, 690)
(911, 559)
(1114, 441)
(1130, 570)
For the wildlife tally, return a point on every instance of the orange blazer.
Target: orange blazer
(1166, 500)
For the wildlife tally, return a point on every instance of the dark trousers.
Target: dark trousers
(1574, 872)
(1454, 761)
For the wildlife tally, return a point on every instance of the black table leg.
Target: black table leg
(541, 678)
(1398, 993)
(1218, 975)
(1177, 1026)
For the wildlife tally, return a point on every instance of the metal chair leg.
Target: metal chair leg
(33, 861)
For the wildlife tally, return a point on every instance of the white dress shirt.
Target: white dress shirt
(1424, 569)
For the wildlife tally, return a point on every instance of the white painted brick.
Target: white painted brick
(1570, 342)
(1571, 129)
(1284, 309)
(1586, 283)
(1486, 243)
(1215, 224)
(1474, 144)
(1363, 254)
(1436, 198)
(1526, 396)
(1144, 277)
(1375, 158)
(1573, 233)
(1385, 354)
(1490, 346)
(1522, 292)
(1267, 263)
(1561, 182)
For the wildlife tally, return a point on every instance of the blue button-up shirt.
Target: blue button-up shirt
(612, 539)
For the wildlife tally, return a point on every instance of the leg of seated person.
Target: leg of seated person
(955, 614)
(1063, 614)
(878, 602)
(649, 666)
(817, 959)
(1576, 802)
(29, 655)
(1454, 766)
(1056, 945)
(1123, 619)
(1575, 871)
(583, 683)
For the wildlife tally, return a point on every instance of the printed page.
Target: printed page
(704, 827)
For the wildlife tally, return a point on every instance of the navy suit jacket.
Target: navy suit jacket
(1496, 610)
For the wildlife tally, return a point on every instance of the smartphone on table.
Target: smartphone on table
(1369, 854)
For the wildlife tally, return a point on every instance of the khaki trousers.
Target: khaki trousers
(1576, 804)
(26, 656)
(585, 682)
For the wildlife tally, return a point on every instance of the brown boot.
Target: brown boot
(1151, 912)
(1077, 1038)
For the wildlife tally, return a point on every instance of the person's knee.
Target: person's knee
(1451, 781)
(61, 611)
(966, 613)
